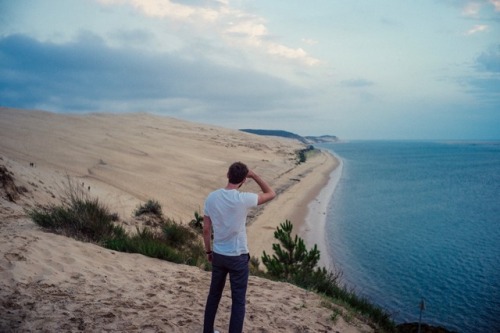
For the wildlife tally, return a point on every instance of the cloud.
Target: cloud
(88, 75)
(490, 60)
(471, 9)
(485, 82)
(496, 4)
(476, 29)
(233, 25)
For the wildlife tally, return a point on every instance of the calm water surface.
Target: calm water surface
(413, 220)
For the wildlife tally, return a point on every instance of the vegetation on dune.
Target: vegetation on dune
(292, 262)
(78, 216)
(303, 154)
(173, 242)
(85, 218)
(197, 222)
(152, 207)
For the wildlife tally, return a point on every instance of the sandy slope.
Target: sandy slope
(52, 283)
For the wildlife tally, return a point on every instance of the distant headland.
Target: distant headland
(286, 134)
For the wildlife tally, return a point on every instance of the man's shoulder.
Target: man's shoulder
(213, 193)
(250, 194)
(250, 198)
(233, 195)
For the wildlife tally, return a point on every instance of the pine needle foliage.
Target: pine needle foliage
(291, 259)
(293, 262)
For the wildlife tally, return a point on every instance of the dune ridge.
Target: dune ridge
(53, 283)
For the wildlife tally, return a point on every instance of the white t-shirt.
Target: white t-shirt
(228, 211)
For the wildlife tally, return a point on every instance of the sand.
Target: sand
(313, 228)
(53, 283)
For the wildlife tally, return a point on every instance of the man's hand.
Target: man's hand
(251, 174)
(268, 193)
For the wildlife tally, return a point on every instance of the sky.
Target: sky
(360, 69)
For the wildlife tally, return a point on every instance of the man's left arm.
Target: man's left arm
(207, 236)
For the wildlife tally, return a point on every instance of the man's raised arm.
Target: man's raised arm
(268, 193)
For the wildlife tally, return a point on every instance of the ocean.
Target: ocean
(413, 221)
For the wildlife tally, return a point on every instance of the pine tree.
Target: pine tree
(291, 260)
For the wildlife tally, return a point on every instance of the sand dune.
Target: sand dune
(53, 283)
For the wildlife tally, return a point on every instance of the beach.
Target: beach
(53, 283)
(313, 229)
(296, 205)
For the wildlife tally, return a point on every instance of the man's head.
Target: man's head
(237, 173)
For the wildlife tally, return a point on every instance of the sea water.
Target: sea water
(413, 221)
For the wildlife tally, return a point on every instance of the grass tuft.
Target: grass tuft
(151, 207)
(79, 216)
(84, 218)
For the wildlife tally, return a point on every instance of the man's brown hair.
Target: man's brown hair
(237, 172)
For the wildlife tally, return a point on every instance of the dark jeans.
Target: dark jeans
(237, 267)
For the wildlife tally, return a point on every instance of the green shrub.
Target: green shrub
(120, 244)
(170, 244)
(302, 154)
(150, 243)
(197, 222)
(86, 219)
(51, 217)
(293, 263)
(152, 207)
(255, 267)
(187, 241)
(78, 216)
(177, 234)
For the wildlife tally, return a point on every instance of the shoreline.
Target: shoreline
(313, 229)
(311, 183)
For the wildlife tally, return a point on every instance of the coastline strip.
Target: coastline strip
(310, 179)
(313, 230)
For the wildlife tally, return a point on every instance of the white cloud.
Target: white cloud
(250, 28)
(471, 9)
(231, 24)
(158, 8)
(496, 4)
(289, 53)
(476, 29)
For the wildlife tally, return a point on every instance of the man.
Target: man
(226, 212)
